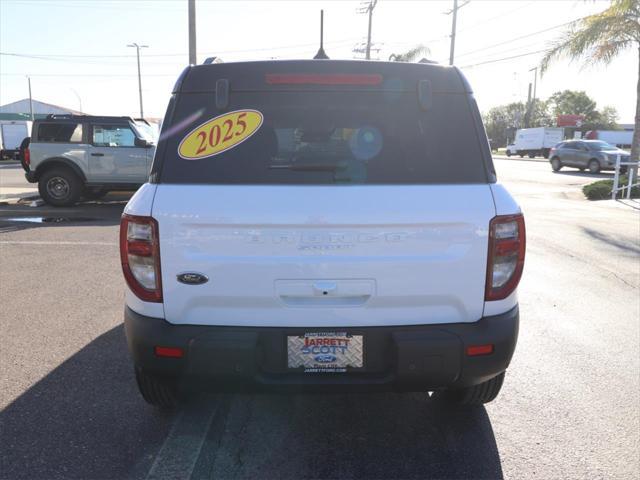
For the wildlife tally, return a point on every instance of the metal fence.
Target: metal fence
(616, 179)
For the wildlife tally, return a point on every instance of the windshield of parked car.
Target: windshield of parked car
(324, 138)
(146, 132)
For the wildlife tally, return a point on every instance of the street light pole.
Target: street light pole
(138, 47)
(78, 97)
(192, 33)
(30, 99)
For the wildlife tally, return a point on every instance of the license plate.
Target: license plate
(325, 352)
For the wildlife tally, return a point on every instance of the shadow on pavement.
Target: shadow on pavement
(578, 173)
(628, 247)
(350, 436)
(86, 420)
(83, 420)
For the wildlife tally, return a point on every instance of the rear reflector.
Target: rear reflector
(322, 79)
(475, 350)
(171, 352)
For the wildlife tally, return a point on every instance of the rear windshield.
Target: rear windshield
(60, 132)
(322, 138)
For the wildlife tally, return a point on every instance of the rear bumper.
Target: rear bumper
(411, 358)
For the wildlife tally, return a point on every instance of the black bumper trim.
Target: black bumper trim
(403, 358)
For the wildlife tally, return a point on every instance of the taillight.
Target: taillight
(505, 261)
(140, 256)
(26, 157)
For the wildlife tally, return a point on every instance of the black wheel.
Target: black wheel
(476, 395)
(94, 193)
(532, 155)
(156, 391)
(508, 153)
(581, 169)
(545, 153)
(522, 155)
(594, 166)
(60, 187)
(556, 164)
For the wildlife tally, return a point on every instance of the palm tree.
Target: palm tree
(600, 38)
(410, 55)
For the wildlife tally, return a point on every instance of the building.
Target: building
(20, 110)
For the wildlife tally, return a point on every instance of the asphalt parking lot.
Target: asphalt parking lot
(570, 407)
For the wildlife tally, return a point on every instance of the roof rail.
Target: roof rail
(71, 116)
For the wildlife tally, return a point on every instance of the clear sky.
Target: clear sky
(76, 50)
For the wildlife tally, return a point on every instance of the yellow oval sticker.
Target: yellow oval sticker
(220, 134)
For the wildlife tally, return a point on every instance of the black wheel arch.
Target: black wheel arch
(59, 162)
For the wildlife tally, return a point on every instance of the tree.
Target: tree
(572, 102)
(410, 55)
(600, 38)
(501, 122)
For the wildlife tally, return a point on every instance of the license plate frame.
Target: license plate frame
(325, 352)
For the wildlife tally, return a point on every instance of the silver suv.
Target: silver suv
(72, 156)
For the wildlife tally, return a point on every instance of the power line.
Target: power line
(247, 50)
(519, 38)
(503, 14)
(503, 59)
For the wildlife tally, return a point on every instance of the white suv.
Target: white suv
(322, 225)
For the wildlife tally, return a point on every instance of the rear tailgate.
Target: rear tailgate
(323, 194)
(324, 255)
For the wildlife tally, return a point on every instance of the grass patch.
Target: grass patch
(601, 190)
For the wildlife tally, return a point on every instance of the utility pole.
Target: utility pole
(368, 8)
(454, 11)
(138, 47)
(30, 99)
(192, 32)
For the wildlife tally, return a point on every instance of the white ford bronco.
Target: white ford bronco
(322, 226)
(73, 156)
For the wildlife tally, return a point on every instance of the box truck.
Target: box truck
(11, 135)
(618, 138)
(537, 141)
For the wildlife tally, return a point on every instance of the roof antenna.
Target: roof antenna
(321, 55)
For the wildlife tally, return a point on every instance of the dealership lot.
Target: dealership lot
(569, 408)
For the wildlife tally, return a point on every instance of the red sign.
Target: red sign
(569, 120)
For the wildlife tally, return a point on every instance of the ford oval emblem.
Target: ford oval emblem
(192, 278)
(325, 358)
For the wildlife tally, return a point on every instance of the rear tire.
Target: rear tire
(556, 164)
(532, 155)
(155, 391)
(508, 153)
(60, 187)
(594, 166)
(469, 396)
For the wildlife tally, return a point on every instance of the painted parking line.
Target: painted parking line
(180, 452)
